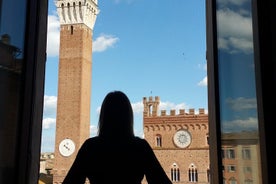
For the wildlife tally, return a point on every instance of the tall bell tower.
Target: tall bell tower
(77, 20)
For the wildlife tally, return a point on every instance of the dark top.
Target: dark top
(112, 162)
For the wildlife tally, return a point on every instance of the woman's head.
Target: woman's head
(116, 116)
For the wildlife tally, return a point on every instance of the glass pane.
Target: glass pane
(237, 90)
(12, 30)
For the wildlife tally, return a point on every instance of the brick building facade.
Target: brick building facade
(184, 157)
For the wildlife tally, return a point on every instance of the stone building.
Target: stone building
(240, 157)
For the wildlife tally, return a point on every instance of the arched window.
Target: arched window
(193, 175)
(158, 140)
(224, 181)
(232, 180)
(175, 173)
(248, 181)
(207, 139)
(208, 175)
(68, 11)
(80, 12)
(72, 30)
(150, 110)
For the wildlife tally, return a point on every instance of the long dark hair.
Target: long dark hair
(116, 116)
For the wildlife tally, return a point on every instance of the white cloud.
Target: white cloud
(243, 44)
(241, 103)
(93, 130)
(50, 106)
(172, 106)
(104, 42)
(49, 112)
(239, 125)
(138, 107)
(203, 82)
(235, 31)
(233, 24)
(48, 123)
(53, 36)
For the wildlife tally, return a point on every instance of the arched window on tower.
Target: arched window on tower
(224, 181)
(193, 175)
(248, 181)
(72, 30)
(74, 11)
(62, 12)
(175, 173)
(150, 110)
(232, 180)
(68, 11)
(80, 12)
(158, 140)
(208, 175)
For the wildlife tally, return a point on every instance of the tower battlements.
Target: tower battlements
(151, 109)
(172, 112)
(151, 100)
(76, 12)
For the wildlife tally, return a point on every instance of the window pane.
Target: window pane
(12, 30)
(237, 90)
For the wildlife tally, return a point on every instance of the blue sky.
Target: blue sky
(143, 48)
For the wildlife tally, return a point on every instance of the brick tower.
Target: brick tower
(77, 19)
(179, 141)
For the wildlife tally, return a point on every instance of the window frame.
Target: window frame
(31, 110)
(264, 39)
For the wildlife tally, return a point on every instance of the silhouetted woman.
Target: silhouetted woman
(116, 156)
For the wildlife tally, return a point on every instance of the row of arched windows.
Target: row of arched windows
(176, 173)
(233, 180)
(192, 173)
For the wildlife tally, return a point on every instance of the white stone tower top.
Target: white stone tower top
(77, 12)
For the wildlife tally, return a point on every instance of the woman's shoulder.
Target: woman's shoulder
(92, 144)
(98, 141)
(141, 141)
(92, 141)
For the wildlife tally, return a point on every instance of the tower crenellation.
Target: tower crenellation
(173, 112)
(77, 12)
(151, 108)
